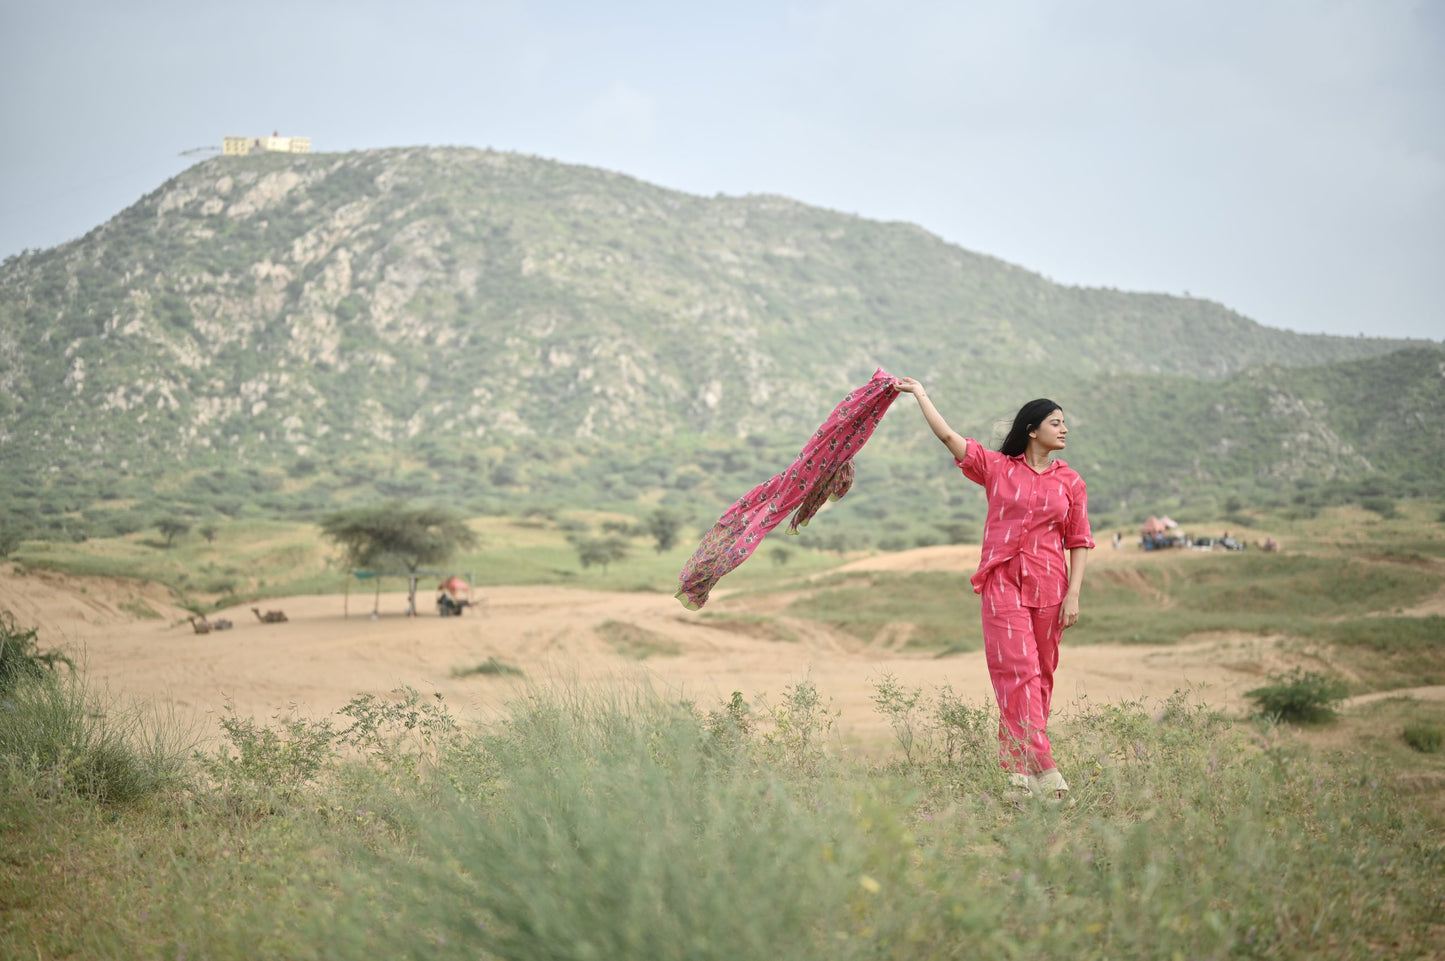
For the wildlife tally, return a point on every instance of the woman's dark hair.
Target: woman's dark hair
(1030, 416)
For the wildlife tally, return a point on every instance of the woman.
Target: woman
(1037, 510)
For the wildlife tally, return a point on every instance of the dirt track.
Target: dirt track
(317, 660)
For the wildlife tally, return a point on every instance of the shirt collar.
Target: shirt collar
(1052, 464)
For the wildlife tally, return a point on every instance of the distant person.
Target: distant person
(447, 606)
(1117, 538)
(1037, 510)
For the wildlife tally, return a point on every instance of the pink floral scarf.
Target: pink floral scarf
(823, 471)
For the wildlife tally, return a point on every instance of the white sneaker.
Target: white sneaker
(1050, 786)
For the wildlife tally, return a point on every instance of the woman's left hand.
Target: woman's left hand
(1069, 612)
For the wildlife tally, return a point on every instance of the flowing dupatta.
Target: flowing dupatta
(823, 471)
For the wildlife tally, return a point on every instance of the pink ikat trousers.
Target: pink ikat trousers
(1022, 647)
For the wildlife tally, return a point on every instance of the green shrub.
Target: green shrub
(1383, 506)
(56, 738)
(1424, 736)
(10, 539)
(401, 733)
(800, 726)
(1305, 697)
(900, 705)
(263, 762)
(20, 655)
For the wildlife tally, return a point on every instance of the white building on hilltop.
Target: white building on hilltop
(240, 146)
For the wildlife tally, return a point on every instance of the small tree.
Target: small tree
(10, 538)
(600, 550)
(956, 531)
(393, 533)
(1303, 697)
(172, 528)
(663, 525)
(209, 533)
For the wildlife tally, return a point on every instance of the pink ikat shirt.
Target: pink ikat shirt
(1032, 516)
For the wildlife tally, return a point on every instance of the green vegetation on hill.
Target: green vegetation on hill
(272, 335)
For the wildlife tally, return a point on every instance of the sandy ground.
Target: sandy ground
(320, 657)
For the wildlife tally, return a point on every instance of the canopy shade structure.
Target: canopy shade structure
(451, 583)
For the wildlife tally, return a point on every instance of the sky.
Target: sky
(1285, 158)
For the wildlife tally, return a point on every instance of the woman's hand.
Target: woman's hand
(908, 386)
(1069, 611)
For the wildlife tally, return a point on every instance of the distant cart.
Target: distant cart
(450, 602)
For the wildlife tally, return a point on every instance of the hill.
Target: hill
(285, 331)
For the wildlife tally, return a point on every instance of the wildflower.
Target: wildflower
(867, 883)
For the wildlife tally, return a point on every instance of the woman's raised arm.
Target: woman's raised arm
(956, 444)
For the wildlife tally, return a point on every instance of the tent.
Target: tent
(453, 585)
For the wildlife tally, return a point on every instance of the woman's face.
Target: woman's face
(1051, 432)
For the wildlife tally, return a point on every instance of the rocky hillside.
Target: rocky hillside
(278, 310)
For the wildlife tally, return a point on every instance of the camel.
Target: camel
(270, 617)
(221, 624)
(202, 626)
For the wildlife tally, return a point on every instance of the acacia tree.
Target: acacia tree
(171, 528)
(395, 534)
(600, 550)
(663, 525)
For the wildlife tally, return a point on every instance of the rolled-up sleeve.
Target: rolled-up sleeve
(975, 462)
(1076, 524)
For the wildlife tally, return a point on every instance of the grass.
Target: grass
(630, 825)
(636, 642)
(750, 625)
(58, 738)
(254, 559)
(1424, 736)
(1174, 597)
(1157, 600)
(249, 559)
(870, 606)
(140, 609)
(491, 667)
(1385, 653)
(1345, 563)
(636, 826)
